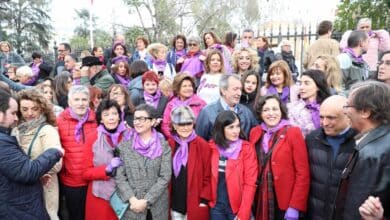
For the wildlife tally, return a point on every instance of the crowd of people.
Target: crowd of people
(223, 130)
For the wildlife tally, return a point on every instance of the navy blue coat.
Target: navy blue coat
(206, 118)
(21, 192)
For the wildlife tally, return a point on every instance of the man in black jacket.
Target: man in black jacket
(21, 192)
(368, 172)
(329, 148)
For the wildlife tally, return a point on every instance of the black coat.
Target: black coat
(21, 192)
(325, 172)
(370, 175)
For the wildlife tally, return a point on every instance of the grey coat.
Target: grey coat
(145, 178)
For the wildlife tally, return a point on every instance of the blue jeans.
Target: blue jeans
(222, 209)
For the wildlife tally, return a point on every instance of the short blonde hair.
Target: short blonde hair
(253, 56)
(24, 71)
(165, 86)
(155, 47)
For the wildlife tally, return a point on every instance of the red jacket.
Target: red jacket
(241, 177)
(290, 168)
(74, 162)
(198, 177)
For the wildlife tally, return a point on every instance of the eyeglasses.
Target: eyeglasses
(141, 119)
(348, 106)
(192, 45)
(386, 62)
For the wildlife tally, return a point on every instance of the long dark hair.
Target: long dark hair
(320, 80)
(224, 119)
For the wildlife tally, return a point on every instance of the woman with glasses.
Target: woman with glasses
(283, 181)
(190, 184)
(102, 161)
(143, 179)
(119, 93)
(193, 61)
(233, 170)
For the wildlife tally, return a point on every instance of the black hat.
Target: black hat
(90, 61)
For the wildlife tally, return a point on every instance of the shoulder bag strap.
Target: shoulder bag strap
(268, 156)
(32, 141)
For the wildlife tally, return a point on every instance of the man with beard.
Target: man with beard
(21, 191)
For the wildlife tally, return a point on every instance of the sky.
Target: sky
(111, 12)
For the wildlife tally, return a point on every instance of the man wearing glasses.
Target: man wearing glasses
(329, 148)
(367, 172)
(63, 50)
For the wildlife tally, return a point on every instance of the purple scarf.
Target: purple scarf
(159, 64)
(114, 136)
(152, 100)
(180, 53)
(80, 123)
(152, 149)
(356, 58)
(314, 108)
(176, 101)
(181, 155)
(123, 80)
(269, 132)
(193, 64)
(285, 93)
(232, 151)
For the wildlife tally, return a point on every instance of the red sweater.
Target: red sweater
(74, 162)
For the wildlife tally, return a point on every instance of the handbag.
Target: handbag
(118, 205)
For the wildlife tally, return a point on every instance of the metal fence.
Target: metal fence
(300, 36)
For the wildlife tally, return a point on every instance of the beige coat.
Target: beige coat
(47, 138)
(322, 46)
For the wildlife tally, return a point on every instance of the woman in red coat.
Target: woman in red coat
(233, 170)
(102, 161)
(283, 160)
(190, 185)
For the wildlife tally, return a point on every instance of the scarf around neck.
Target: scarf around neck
(28, 126)
(314, 108)
(232, 151)
(176, 101)
(152, 100)
(180, 53)
(193, 64)
(269, 132)
(123, 80)
(356, 58)
(285, 93)
(181, 155)
(114, 136)
(80, 123)
(152, 149)
(159, 64)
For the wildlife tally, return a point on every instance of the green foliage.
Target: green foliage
(132, 33)
(28, 23)
(79, 42)
(82, 17)
(349, 12)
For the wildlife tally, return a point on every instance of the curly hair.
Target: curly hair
(253, 56)
(36, 96)
(154, 48)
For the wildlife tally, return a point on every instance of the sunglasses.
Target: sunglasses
(192, 45)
